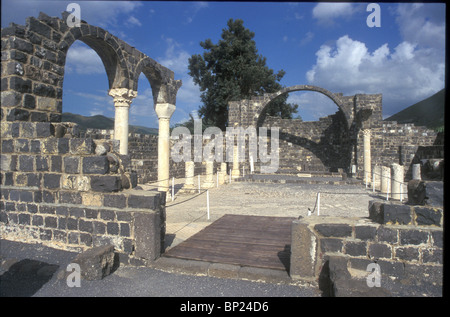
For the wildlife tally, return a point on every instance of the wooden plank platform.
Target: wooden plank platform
(255, 241)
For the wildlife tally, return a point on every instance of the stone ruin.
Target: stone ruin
(76, 192)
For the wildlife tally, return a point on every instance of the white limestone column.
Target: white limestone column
(122, 100)
(189, 173)
(376, 176)
(397, 181)
(385, 178)
(222, 173)
(209, 179)
(235, 173)
(367, 157)
(164, 112)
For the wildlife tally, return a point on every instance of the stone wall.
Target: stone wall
(75, 193)
(143, 152)
(405, 241)
(319, 146)
(336, 141)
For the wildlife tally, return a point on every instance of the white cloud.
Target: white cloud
(312, 105)
(177, 59)
(133, 21)
(142, 111)
(100, 13)
(81, 59)
(405, 75)
(325, 12)
(422, 24)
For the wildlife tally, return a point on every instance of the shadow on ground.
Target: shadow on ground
(25, 278)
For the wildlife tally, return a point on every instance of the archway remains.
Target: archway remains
(33, 60)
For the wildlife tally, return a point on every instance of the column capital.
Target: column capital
(164, 110)
(367, 132)
(122, 96)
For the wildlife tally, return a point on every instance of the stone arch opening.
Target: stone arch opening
(268, 98)
(322, 145)
(85, 82)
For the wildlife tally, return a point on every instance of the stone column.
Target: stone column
(416, 174)
(385, 178)
(376, 177)
(122, 100)
(222, 173)
(164, 112)
(367, 159)
(189, 174)
(397, 181)
(235, 171)
(209, 179)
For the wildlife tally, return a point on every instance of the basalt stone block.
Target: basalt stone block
(52, 181)
(95, 165)
(44, 129)
(71, 165)
(106, 183)
(96, 263)
(17, 114)
(397, 214)
(428, 216)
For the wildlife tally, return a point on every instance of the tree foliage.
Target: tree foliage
(232, 70)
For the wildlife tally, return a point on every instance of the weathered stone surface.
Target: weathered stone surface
(417, 194)
(397, 214)
(106, 183)
(96, 263)
(95, 165)
(334, 230)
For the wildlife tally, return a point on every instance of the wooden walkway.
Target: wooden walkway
(253, 241)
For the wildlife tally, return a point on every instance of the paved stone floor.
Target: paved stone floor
(187, 214)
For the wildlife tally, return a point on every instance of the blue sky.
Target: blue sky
(324, 44)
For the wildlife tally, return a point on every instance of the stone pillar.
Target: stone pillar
(189, 174)
(223, 173)
(122, 100)
(164, 112)
(397, 181)
(385, 178)
(376, 177)
(416, 174)
(209, 179)
(367, 159)
(235, 171)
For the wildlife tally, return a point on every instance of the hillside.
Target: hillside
(428, 112)
(102, 122)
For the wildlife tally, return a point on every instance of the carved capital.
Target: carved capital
(164, 110)
(122, 96)
(366, 132)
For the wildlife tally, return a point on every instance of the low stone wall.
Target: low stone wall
(75, 193)
(407, 243)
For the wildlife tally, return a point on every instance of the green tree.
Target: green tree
(232, 70)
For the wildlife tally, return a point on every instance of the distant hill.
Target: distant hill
(102, 122)
(428, 112)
